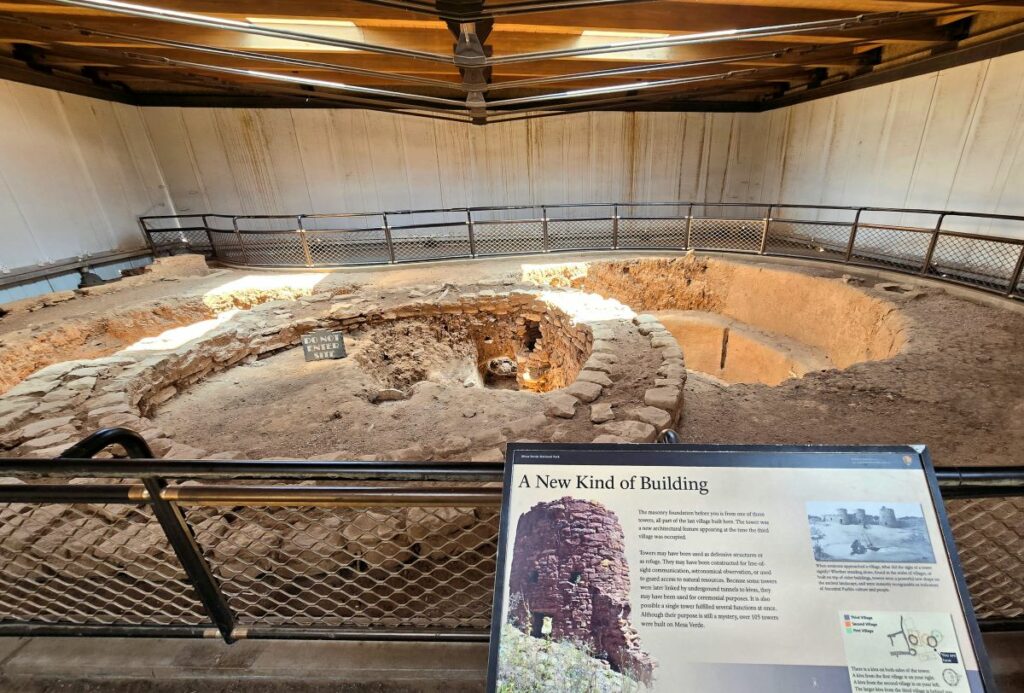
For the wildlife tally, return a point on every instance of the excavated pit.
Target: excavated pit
(744, 323)
(428, 376)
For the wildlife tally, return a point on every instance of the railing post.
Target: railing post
(305, 242)
(689, 222)
(931, 245)
(472, 236)
(387, 238)
(1015, 277)
(241, 242)
(853, 235)
(172, 521)
(209, 237)
(764, 230)
(615, 227)
(544, 228)
(145, 234)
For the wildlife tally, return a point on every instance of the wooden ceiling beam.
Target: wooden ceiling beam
(519, 38)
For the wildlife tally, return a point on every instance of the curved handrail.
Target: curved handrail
(858, 236)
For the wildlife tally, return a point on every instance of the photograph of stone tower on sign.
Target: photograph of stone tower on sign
(569, 582)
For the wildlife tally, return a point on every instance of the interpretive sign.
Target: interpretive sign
(741, 568)
(323, 344)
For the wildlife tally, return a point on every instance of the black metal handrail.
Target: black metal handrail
(988, 262)
(444, 485)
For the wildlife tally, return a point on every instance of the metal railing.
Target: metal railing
(324, 550)
(982, 251)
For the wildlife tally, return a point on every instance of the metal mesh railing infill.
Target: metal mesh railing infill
(297, 549)
(981, 251)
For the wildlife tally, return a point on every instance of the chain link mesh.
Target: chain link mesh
(431, 243)
(348, 247)
(891, 247)
(508, 238)
(652, 233)
(90, 564)
(726, 234)
(808, 239)
(193, 240)
(274, 249)
(227, 247)
(414, 568)
(984, 263)
(989, 534)
(579, 234)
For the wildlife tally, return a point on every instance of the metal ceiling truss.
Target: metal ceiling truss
(470, 22)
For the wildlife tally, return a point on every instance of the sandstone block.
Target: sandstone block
(562, 405)
(632, 431)
(609, 438)
(411, 453)
(85, 384)
(599, 413)
(666, 398)
(388, 394)
(39, 428)
(584, 391)
(452, 445)
(594, 377)
(180, 451)
(659, 418)
(227, 455)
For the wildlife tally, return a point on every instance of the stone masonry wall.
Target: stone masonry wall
(569, 564)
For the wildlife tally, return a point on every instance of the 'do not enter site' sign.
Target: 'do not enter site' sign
(320, 345)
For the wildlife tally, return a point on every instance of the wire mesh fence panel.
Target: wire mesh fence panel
(86, 564)
(193, 240)
(508, 238)
(273, 249)
(983, 263)
(652, 233)
(807, 239)
(579, 234)
(431, 242)
(989, 535)
(396, 568)
(227, 247)
(891, 247)
(327, 248)
(726, 234)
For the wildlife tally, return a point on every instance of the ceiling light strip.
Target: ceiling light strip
(266, 57)
(844, 24)
(292, 79)
(619, 88)
(150, 12)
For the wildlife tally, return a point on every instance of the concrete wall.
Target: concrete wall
(75, 173)
(275, 160)
(947, 140)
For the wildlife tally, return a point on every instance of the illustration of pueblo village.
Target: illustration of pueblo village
(869, 532)
(568, 621)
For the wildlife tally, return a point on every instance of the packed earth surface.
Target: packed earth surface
(454, 360)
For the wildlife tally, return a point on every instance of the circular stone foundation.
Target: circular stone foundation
(418, 382)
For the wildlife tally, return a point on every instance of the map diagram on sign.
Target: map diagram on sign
(915, 651)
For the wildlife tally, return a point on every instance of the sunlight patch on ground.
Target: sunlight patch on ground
(253, 289)
(174, 338)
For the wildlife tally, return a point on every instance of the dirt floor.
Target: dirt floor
(282, 406)
(957, 385)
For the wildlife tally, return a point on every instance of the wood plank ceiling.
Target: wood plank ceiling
(492, 60)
